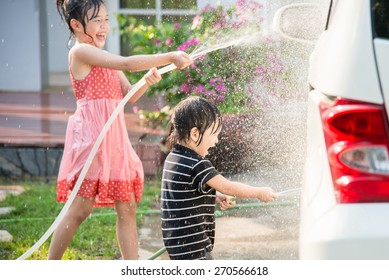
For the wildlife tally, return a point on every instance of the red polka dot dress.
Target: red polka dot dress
(116, 171)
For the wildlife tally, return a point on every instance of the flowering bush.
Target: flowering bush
(234, 78)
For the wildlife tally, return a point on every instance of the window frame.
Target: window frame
(158, 12)
(374, 21)
(113, 44)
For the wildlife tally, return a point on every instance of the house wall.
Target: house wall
(58, 36)
(23, 56)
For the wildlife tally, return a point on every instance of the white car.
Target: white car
(345, 194)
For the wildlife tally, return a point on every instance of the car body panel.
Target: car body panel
(348, 231)
(343, 61)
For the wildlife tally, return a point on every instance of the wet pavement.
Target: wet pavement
(269, 233)
(265, 233)
(262, 232)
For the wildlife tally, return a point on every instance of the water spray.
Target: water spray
(194, 55)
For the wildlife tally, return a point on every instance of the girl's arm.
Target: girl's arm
(241, 190)
(92, 56)
(124, 83)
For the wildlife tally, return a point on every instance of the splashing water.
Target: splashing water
(225, 41)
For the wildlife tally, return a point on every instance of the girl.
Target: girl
(115, 177)
(190, 182)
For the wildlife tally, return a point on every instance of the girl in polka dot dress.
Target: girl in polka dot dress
(115, 177)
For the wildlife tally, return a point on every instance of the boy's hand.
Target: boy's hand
(267, 195)
(225, 201)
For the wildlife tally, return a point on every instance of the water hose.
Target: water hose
(157, 211)
(242, 206)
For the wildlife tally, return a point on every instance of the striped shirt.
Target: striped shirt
(187, 204)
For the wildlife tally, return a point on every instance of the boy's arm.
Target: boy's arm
(241, 190)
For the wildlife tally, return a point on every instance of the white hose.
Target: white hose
(88, 162)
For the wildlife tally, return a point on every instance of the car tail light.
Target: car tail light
(356, 136)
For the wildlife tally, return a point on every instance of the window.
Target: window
(153, 11)
(380, 9)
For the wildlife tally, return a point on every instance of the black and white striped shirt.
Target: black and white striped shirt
(187, 204)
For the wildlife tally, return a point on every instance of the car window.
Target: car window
(380, 17)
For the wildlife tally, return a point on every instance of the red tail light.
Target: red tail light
(356, 136)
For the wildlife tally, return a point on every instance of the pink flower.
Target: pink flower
(186, 88)
(199, 89)
(183, 47)
(220, 98)
(135, 109)
(221, 88)
(209, 93)
(176, 26)
(157, 42)
(196, 23)
(187, 44)
(169, 41)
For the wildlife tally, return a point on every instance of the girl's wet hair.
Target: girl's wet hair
(78, 9)
(193, 112)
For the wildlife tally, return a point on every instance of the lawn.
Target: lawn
(36, 209)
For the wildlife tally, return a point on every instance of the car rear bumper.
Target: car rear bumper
(348, 231)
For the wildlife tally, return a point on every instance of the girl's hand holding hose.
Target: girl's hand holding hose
(181, 59)
(152, 76)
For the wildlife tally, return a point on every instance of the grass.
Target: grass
(36, 209)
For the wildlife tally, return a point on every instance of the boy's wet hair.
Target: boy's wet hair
(78, 9)
(193, 112)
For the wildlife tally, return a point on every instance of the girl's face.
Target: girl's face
(97, 28)
(210, 139)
